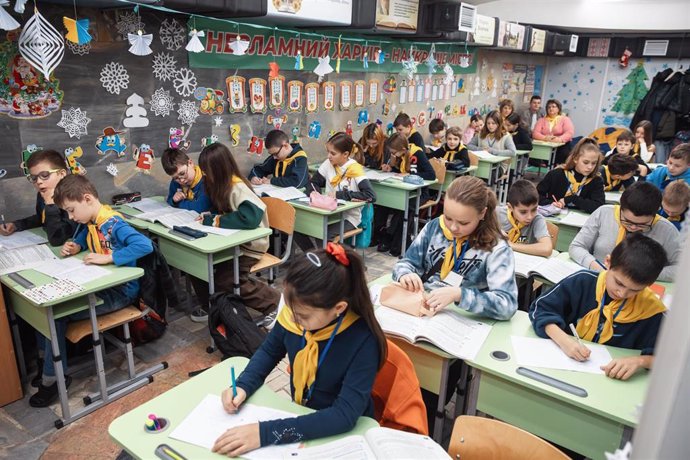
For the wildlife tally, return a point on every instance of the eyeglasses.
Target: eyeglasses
(644, 227)
(43, 175)
(182, 175)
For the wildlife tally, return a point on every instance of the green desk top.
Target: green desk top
(547, 144)
(389, 183)
(522, 152)
(493, 159)
(175, 404)
(212, 243)
(556, 219)
(342, 207)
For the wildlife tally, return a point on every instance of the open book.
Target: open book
(72, 269)
(380, 176)
(283, 193)
(14, 260)
(552, 268)
(20, 240)
(574, 219)
(170, 217)
(377, 443)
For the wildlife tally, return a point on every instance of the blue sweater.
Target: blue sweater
(573, 298)
(296, 173)
(676, 221)
(200, 203)
(661, 178)
(342, 390)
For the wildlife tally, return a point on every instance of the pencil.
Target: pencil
(574, 331)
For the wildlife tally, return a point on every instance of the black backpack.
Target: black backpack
(231, 326)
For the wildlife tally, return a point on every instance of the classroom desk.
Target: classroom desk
(518, 164)
(176, 403)
(488, 168)
(613, 197)
(566, 233)
(545, 151)
(602, 421)
(312, 221)
(451, 176)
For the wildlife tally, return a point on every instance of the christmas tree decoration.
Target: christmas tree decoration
(184, 82)
(162, 102)
(195, 45)
(111, 141)
(324, 67)
(624, 60)
(141, 44)
(72, 154)
(187, 112)
(74, 122)
(274, 69)
(450, 75)
(632, 92)
(41, 44)
(164, 66)
(239, 47)
(172, 34)
(299, 63)
(136, 113)
(337, 62)
(7, 22)
(114, 77)
(431, 61)
(77, 30)
(20, 6)
(144, 156)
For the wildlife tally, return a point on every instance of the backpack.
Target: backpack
(232, 328)
(363, 239)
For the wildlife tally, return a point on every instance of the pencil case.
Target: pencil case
(320, 201)
(413, 179)
(194, 233)
(124, 198)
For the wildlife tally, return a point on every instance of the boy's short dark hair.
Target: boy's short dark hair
(535, 97)
(523, 192)
(642, 199)
(73, 188)
(402, 119)
(55, 159)
(621, 164)
(640, 258)
(171, 159)
(436, 126)
(275, 138)
(626, 135)
(677, 193)
(681, 152)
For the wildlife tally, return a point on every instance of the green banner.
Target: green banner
(266, 45)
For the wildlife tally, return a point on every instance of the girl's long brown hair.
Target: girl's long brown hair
(648, 127)
(586, 144)
(219, 166)
(373, 131)
(396, 143)
(500, 130)
(343, 142)
(472, 191)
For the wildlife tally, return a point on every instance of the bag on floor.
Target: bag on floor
(362, 240)
(232, 328)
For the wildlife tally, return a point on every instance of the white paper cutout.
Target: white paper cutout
(7, 22)
(141, 44)
(74, 122)
(448, 70)
(114, 77)
(41, 44)
(79, 50)
(136, 113)
(239, 47)
(172, 34)
(128, 22)
(324, 67)
(111, 169)
(464, 61)
(195, 45)
(218, 121)
(19, 6)
(184, 82)
(164, 66)
(162, 103)
(187, 112)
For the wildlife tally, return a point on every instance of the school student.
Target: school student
(609, 225)
(235, 206)
(614, 307)
(521, 136)
(674, 204)
(505, 108)
(624, 145)
(373, 143)
(644, 145)
(109, 240)
(437, 130)
(453, 151)
(619, 172)
(526, 228)
(46, 169)
(462, 257)
(475, 126)
(577, 184)
(287, 163)
(186, 190)
(335, 348)
(677, 167)
(493, 137)
(403, 126)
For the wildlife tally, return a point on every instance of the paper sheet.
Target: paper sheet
(208, 421)
(574, 219)
(483, 154)
(283, 193)
(526, 263)
(148, 204)
(613, 197)
(348, 448)
(210, 229)
(379, 176)
(20, 240)
(72, 269)
(14, 260)
(555, 269)
(544, 353)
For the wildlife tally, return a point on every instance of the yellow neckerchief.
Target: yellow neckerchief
(353, 170)
(450, 154)
(621, 229)
(610, 183)
(286, 162)
(552, 121)
(436, 142)
(305, 365)
(642, 306)
(448, 258)
(575, 186)
(515, 227)
(677, 218)
(94, 239)
(43, 215)
(235, 180)
(405, 160)
(189, 190)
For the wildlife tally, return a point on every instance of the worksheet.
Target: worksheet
(544, 353)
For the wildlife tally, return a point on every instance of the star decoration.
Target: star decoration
(218, 121)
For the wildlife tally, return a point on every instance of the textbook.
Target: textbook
(376, 443)
(171, 217)
(380, 176)
(20, 240)
(14, 260)
(282, 193)
(552, 268)
(72, 269)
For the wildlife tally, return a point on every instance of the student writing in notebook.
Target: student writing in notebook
(675, 202)
(373, 143)
(519, 220)
(403, 126)
(619, 172)
(677, 167)
(335, 347)
(614, 307)
(609, 225)
(462, 257)
(287, 163)
(186, 190)
(493, 137)
(46, 169)
(453, 151)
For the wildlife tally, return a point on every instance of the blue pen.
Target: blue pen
(232, 378)
(601, 264)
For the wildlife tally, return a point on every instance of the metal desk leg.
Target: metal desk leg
(211, 291)
(19, 352)
(59, 371)
(98, 354)
(626, 436)
(403, 244)
(236, 271)
(342, 228)
(325, 232)
(416, 213)
(473, 391)
(440, 414)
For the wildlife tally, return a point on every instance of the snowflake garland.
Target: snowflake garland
(172, 34)
(79, 50)
(187, 112)
(114, 77)
(162, 102)
(128, 22)
(164, 66)
(74, 122)
(184, 82)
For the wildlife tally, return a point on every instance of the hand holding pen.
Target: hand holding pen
(6, 228)
(233, 397)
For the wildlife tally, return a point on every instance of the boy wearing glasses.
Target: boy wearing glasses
(287, 163)
(46, 169)
(186, 189)
(609, 225)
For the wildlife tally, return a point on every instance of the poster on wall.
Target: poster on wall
(294, 89)
(398, 15)
(402, 94)
(538, 75)
(345, 95)
(312, 96)
(373, 91)
(511, 35)
(537, 40)
(257, 95)
(236, 96)
(485, 32)
(320, 12)
(598, 47)
(360, 87)
(329, 95)
(411, 90)
(276, 92)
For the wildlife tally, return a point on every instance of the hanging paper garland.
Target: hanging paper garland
(77, 30)
(324, 67)
(41, 44)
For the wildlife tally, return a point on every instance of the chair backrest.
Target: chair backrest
(281, 215)
(553, 232)
(488, 439)
(439, 168)
(474, 159)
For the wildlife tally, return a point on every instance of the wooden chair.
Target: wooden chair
(488, 439)
(440, 170)
(553, 232)
(281, 218)
(474, 159)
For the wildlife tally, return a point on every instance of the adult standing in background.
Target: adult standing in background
(532, 114)
(555, 127)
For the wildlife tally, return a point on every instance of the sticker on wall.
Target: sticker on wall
(434, 90)
(111, 141)
(257, 95)
(74, 122)
(111, 169)
(314, 129)
(206, 141)
(177, 139)
(390, 129)
(256, 145)
(143, 156)
(461, 85)
(295, 89)
(114, 77)
(359, 88)
(312, 97)
(329, 96)
(218, 121)
(441, 90)
(236, 95)
(276, 92)
(448, 110)
(235, 130)
(419, 96)
(386, 107)
(72, 156)
(389, 85)
(421, 118)
(373, 91)
(26, 153)
(277, 120)
(362, 117)
(427, 89)
(187, 112)
(403, 92)
(295, 135)
(453, 88)
(212, 101)
(135, 113)
(345, 95)
(162, 103)
(348, 128)
(411, 86)
(164, 66)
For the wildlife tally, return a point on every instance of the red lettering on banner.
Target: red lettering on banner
(324, 48)
(286, 48)
(310, 48)
(269, 47)
(214, 41)
(345, 51)
(357, 51)
(397, 55)
(256, 44)
(228, 38)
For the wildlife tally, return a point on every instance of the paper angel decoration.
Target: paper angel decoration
(77, 30)
(141, 44)
(448, 70)
(431, 61)
(19, 6)
(239, 47)
(299, 63)
(380, 56)
(41, 45)
(365, 60)
(324, 67)
(7, 22)
(195, 45)
(274, 69)
(409, 67)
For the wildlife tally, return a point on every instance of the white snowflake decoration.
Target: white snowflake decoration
(187, 111)
(111, 169)
(80, 50)
(164, 66)
(74, 122)
(184, 82)
(587, 106)
(114, 77)
(162, 102)
(128, 22)
(218, 121)
(172, 34)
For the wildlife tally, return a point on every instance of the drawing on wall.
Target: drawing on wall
(632, 93)
(212, 100)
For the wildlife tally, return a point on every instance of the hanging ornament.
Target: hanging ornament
(195, 45)
(274, 69)
(430, 60)
(365, 60)
(324, 67)
(624, 61)
(41, 44)
(140, 43)
(7, 22)
(299, 63)
(239, 47)
(337, 62)
(409, 66)
(19, 6)
(380, 56)
(464, 61)
(448, 70)
(77, 30)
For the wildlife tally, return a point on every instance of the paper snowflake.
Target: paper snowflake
(172, 34)
(162, 102)
(218, 121)
(111, 169)
(80, 50)
(114, 77)
(128, 22)
(187, 111)
(184, 82)
(74, 122)
(164, 66)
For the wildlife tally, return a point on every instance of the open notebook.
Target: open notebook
(170, 217)
(552, 268)
(283, 193)
(376, 443)
(379, 176)
(20, 240)
(14, 260)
